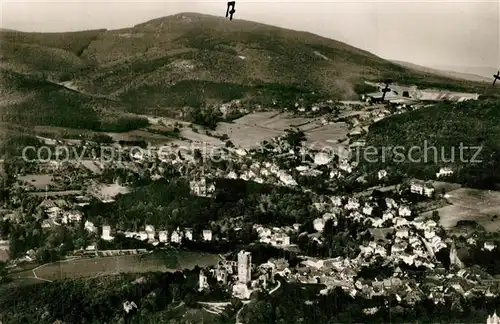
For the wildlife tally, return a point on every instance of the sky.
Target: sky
(429, 33)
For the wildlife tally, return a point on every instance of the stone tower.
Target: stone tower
(454, 260)
(244, 267)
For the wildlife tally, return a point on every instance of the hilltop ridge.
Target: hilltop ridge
(192, 60)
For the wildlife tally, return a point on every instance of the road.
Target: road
(272, 291)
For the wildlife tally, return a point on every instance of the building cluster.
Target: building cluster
(58, 212)
(152, 236)
(276, 236)
(202, 187)
(423, 188)
(240, 276)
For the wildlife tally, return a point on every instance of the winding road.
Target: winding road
(272, 291)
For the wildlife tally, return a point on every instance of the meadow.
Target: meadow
(481, 206)
(164, 261)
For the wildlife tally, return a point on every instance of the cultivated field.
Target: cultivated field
(284, 121)
(471, 204)
(256, 118)
(57, 193)
(137, 135)
(247, 136)
(325, 138)
(188, 133)
(39, 181)
(158, 261)
(446, 186)
(108, 191)
(250, 130)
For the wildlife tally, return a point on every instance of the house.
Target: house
(404, 211)
(129, 306)
(490, 246)
(89, 226)
(150, 231)
(367, 210)
(444, 172)
(421, 188)
(106, 233)
(163, 236)
(207, 235)
(280, 239)
(402, 233)
(382, 174)
(352, 204)
(176, 236)
(319, 224)
(53, 212)
(90, 248)
(188, 234)
(71, 217)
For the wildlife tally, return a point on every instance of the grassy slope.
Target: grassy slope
(182, 60)
(54, 55)
(149, 58)
(29, 100)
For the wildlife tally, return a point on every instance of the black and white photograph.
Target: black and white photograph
(249, 162)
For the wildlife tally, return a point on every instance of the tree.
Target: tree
(435, 216)
(189, 300)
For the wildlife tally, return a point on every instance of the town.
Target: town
(355, 237)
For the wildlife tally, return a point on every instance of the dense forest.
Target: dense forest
(447, 134)
(169, 204)
(100, 300)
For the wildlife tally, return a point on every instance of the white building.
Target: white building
(207, 235)
(71, 217)
(244, 267)
(150, 230)
(129, 306)
(106, 233)
(319, 224)
(176, 236)
(202, 281)
(89, 226)
(367, 210)
(188, 234)
(280, 239)
(163, 236)
(421, 188)
(382, 174)
(490, 246)
(404, 211)
(444, 172)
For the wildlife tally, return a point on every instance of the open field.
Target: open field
(137, 135)
(189, 134)
(284, 121)
(246, 136)
(446, 186)
(108, 191)
(256, 118)
(470, 204)
(57, 193)
(158, 261)
(325, 138)
(39, 181)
